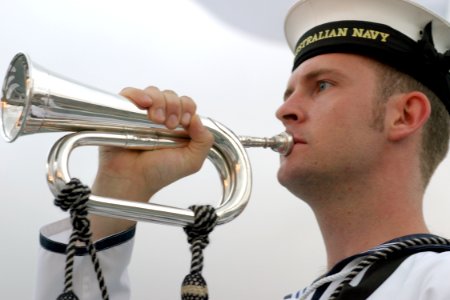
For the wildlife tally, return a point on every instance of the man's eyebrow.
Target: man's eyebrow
(318, 72)
(314, 74)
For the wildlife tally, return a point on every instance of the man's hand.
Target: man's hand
(137, 175)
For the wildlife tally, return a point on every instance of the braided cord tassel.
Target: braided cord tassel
(194, 286)
(74, 198)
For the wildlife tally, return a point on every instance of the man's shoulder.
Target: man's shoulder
(422, 275)
(429, 262)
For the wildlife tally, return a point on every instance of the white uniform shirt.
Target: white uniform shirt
(421, 276)
(114, 254)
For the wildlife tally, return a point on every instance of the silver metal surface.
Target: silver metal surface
(35, 100)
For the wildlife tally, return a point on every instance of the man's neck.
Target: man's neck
(353, 222)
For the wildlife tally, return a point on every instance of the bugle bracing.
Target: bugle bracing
(36, 100)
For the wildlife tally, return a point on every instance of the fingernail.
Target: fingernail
(159, 114)
(172, 121)
(186, 119)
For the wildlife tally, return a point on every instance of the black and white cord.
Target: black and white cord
(384, 253)
(194, 286)
(73, 198)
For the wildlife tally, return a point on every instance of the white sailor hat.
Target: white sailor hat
(400, 33)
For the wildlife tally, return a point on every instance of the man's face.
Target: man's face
(329, 108)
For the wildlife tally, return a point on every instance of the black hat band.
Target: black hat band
(383, 43)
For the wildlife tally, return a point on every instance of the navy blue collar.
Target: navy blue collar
(340, 265)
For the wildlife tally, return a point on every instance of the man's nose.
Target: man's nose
(289, 112)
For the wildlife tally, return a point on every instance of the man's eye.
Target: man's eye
(323, 85)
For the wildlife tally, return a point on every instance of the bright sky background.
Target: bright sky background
(228, 55)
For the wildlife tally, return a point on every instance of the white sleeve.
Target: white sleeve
(422, 276)
(114, 255)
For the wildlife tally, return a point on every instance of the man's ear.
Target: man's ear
(406, 113)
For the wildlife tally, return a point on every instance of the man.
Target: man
(368, 105)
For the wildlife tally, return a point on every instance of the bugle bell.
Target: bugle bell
(35, 100)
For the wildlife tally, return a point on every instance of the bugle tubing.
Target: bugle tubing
(35, 100)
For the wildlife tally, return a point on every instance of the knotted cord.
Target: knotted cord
(74, 198)
(194, 286)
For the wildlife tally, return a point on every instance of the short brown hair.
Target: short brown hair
(436, 131)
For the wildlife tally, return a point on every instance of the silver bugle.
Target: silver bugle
(35, 100)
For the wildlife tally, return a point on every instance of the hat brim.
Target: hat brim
(403, 15)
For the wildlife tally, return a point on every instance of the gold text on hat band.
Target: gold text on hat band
(325, 34)
(370, 34)
(363, 33)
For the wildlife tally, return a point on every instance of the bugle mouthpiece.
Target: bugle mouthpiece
(281, 143)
